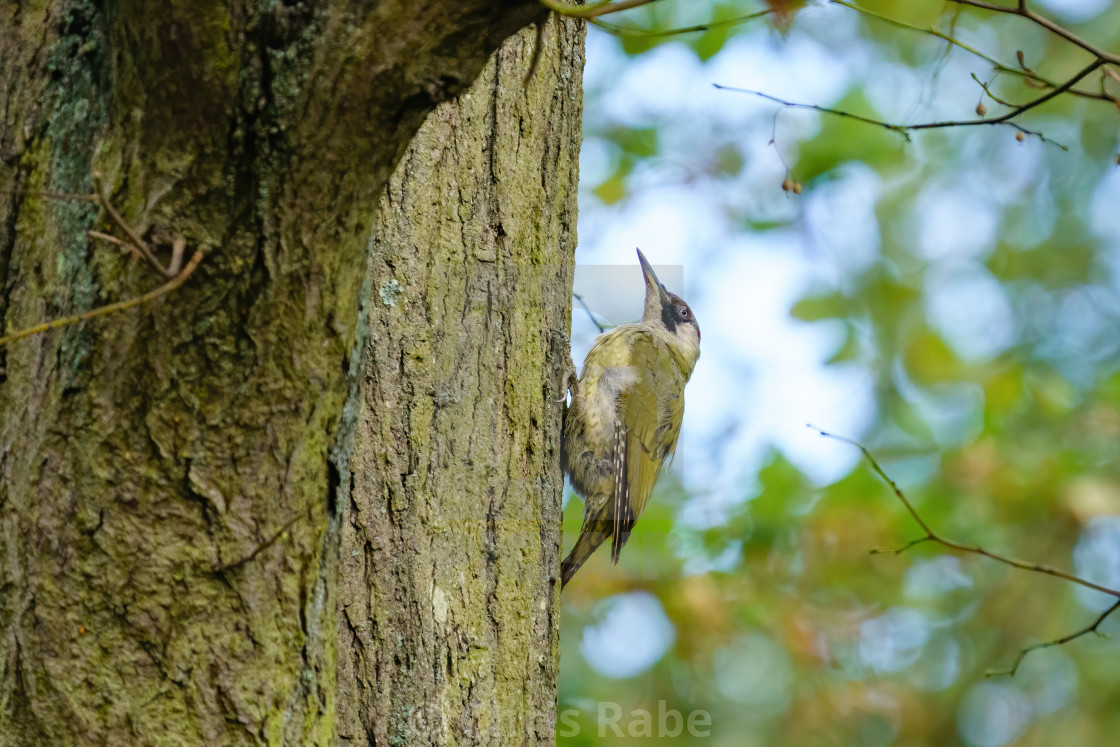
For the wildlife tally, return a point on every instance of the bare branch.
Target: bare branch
(992, 96)
(133, 237)
(1022, 72)
(125, 246)
(1022, 10)
(618, 30)
(900, 129)
(167, 287)
(904, 130)
(223, 567)
(62, 196)
(592, 10)
(590, 314)
(931, 536)
(1092, 66)
(1093, 628)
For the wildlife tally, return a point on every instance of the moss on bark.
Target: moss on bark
(450, 547)
(166, 566)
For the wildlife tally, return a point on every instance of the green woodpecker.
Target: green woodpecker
(625, 417)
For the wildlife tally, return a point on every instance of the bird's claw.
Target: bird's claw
(570, 383)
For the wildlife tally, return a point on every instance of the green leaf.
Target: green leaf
(635, 44)
(711, 41)
(816, 308)
(849, 350)
(929, 359)
(638, 141)
(612, 190)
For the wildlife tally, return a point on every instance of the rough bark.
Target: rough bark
(447, 633)
(167, 562)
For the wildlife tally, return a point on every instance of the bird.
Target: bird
(625, 416)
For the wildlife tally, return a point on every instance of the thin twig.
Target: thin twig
(1093, 628)
(904, 130)
(900, 129)
(222, 567)
(931, 536)
(51, 195)
(167, 287)
(178, 247)
(592, 10)
(1046, 23)
(133, 237)
(590, 314)
(123, 245)
(1029, 75)
(613, 28)
(1107, 73)
(992, 96)
(1087, 70)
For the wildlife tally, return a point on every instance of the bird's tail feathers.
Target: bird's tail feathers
(623, 511)
(594, 532)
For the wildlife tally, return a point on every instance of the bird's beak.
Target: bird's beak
(652, 283)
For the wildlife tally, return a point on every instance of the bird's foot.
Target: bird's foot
(570, 382)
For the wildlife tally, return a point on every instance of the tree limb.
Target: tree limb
(1022, 72)
(903, 130)
(133, 238)
(66, 321)
(592, 10)
(932, 536)
(220, 567)
(590, 314)
(617, 30)
(1023, 11)
(1092, 628)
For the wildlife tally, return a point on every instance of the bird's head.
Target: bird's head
(667, 310)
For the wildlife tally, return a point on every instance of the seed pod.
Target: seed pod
(797, 188)
(787, 185)
(981, 109)
(1020, 136)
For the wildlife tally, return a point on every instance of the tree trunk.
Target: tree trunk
(450, 548)
(169, 515)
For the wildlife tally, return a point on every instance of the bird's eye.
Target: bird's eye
(683, 311)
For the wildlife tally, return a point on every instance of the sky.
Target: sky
(762, 376)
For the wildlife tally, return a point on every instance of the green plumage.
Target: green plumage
(625, 418)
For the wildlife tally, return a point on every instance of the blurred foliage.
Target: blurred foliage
(774, 619)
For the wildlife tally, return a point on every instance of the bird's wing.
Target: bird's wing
(651, 423)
